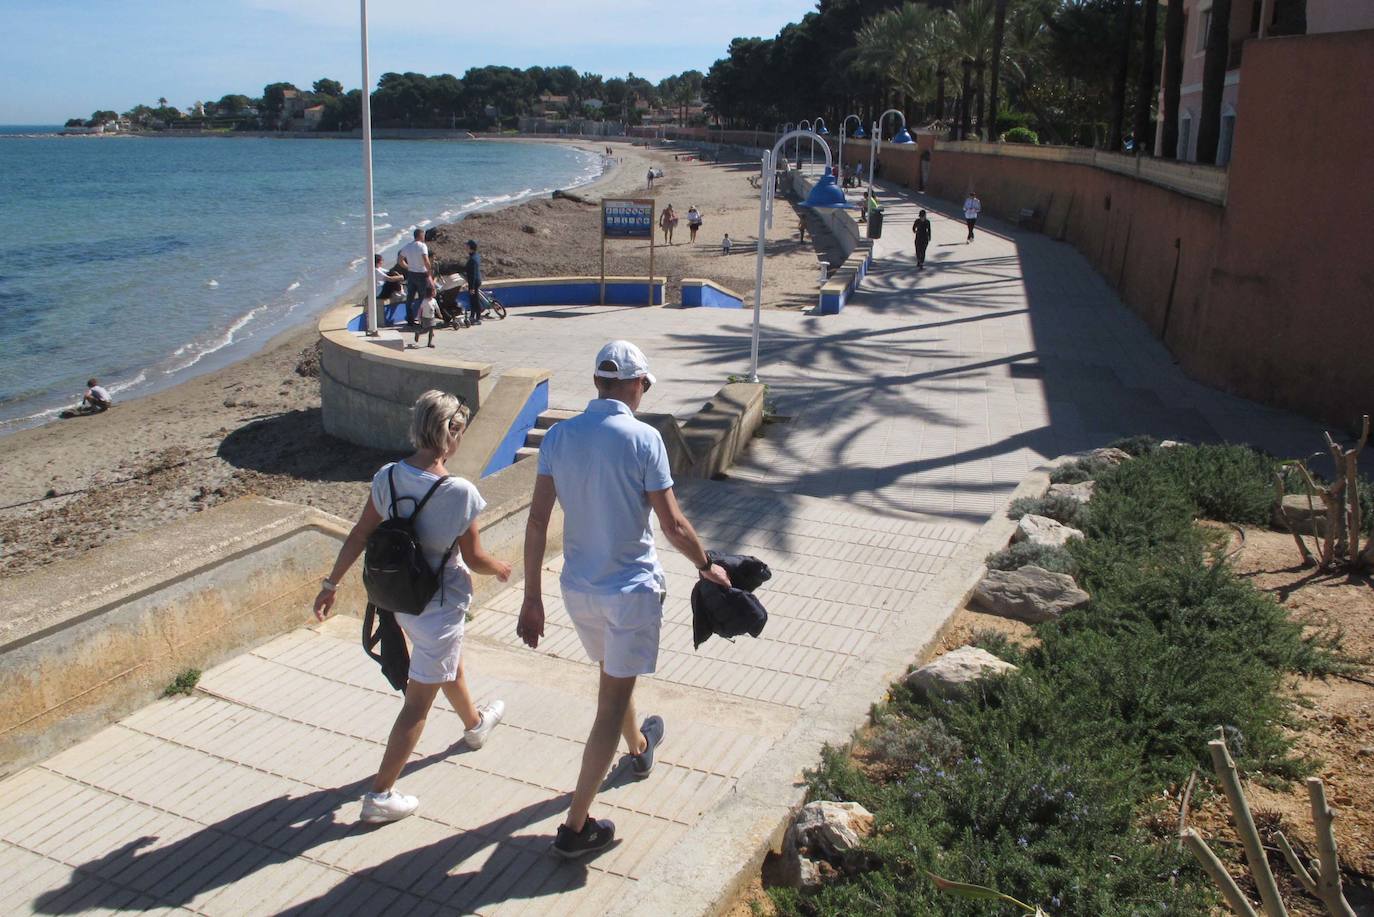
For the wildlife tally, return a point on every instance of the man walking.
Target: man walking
(415, 256)
(922, 230)
(608, 469)
(972, 207)
(472, 272)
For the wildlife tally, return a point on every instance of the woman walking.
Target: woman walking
(447, 532)
(693, 222)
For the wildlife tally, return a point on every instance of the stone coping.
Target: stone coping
(706, 282)
(717, 858)
(580, 278)
(333, 328)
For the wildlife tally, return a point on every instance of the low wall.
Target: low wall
(367, 385)
(842, 223)
(576, 291)
(717, 434)
(698, 292)
(508, 413)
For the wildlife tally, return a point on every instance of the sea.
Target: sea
(144, 260)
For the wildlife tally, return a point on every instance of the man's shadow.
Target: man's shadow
(282, 829)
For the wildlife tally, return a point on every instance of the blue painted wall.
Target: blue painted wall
(556, 293)
(504, 456)
(698, 295)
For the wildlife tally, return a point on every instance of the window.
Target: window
(1228, 131)
(1204, 29)
(1185, 136)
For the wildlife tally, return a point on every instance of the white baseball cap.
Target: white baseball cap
(627, 361)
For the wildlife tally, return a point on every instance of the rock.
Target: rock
(1045, 531)
(1030, 593)
(1082, 492)
(527, 228)
(1366, 751)
(1110, 456)
(1170, 444)
(1305, 519)
(954, 673)
(824, 835)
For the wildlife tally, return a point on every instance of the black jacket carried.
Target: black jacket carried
(379, 626)
(734, 611)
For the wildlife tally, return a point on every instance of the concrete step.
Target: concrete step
(553, 416)
(535, 437)
(525, 452)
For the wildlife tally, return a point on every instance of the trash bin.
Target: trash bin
(875, 224)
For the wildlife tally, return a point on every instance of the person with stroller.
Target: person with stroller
(472, 273)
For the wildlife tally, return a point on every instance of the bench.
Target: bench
(1030, 218)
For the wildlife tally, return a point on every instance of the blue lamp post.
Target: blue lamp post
(826, 193)
(819, 128)
(900, 137)
(858, 135)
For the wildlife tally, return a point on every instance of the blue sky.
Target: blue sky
(67, 58)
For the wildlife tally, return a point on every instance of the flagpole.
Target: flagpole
(367, 181)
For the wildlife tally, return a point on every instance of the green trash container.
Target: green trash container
(875, 224)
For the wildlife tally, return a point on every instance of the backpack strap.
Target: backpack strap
(425, 499)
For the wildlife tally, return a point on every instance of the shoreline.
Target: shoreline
(46, 416)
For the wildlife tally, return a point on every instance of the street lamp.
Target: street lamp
(802, 125)
(821, 131)
(370, 318)
(900, 137)
(858, 135)
(825, 193)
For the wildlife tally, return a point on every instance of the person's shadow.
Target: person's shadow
(282, 829)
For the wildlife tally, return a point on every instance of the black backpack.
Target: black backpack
(395, 574)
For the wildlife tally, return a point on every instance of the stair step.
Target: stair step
(535, 437)
(552, 416)
(525, 452)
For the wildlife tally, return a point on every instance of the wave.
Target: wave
(212, 282)
(294, 286)
(380, 228)
(224, 340)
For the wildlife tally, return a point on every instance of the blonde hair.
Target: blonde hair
(431, 417)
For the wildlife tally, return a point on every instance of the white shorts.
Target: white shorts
(436, 643)
(619, 631)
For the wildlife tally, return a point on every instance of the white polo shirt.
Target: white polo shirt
(415, 253)
(604, 463)
(972, 207)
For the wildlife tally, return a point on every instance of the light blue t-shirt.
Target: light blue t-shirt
(604, 463)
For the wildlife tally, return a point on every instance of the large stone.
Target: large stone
(1110, 456)
(956, 672)
(1043, 530)
(1082, 491)
(1030, 593)
(825, 836)
(1303, 517)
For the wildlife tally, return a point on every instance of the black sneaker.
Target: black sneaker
(596, 834)
(641, 765)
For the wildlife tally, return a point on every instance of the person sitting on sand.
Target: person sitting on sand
(667, 221)
(693, 222)
(726, 245)
(96, 400)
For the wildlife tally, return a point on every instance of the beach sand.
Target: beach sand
(254, 427)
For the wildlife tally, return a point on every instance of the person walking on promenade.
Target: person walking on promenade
(608, 470)
(448, 521)
(651, 177)
(667, 221)
(922, 230)
(418, 266)
(693, 222)
(972, 207)
(472, 272)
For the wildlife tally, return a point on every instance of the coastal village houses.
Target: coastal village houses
(1249, 20)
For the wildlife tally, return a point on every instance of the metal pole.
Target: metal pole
(371, 317)
(764, 188)
(872, 157)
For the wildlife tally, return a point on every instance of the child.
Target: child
(726, 245)
(429, 309)
(96, 399)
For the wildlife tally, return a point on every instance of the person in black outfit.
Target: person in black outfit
(472, 271)
(922, 229)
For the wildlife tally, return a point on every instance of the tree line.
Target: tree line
(482, 99)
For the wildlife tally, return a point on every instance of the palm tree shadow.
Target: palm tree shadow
(281, 829)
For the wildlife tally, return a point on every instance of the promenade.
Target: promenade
(911, 417)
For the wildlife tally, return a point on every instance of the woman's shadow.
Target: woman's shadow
(282, 829)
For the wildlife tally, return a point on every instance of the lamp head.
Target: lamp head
(826, 193)
(902, 137)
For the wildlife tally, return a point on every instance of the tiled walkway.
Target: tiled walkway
(912, 415)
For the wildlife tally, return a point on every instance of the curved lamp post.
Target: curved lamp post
(826, 193)
(819, 128)
(803, 125)
(858, 135)
(900, 137)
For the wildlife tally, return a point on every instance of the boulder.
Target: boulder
(956, 672)
(1110, 456)
(1303, 518)
(1043, 530)
(824, 838)
(1170, 444)
(1030, 593)
(1082, 491)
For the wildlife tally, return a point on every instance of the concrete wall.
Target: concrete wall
(367, 385)
(700, 292)
(1246, 295)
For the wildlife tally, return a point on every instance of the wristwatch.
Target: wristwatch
(706, 566)
(328, 586)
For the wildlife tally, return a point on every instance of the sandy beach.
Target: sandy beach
(75, 484)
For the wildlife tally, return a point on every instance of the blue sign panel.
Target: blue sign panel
(627, 219)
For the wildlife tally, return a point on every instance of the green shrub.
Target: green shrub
(1080, 470)
(1138, 445)
(1226, 483)
(1061, 509)
(1015, 556)
(1021, 135)
(904, 743)
(184, 683)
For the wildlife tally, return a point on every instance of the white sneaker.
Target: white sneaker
(379, 808)
(491, 714)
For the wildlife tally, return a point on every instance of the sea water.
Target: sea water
(144, 260)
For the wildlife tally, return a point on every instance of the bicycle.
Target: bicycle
(491, 308)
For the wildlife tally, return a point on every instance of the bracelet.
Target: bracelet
(706, 566)
(328, 586)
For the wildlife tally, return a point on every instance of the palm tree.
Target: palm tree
(999, 28)
(162, 102)
(1123, 71)
(893, 45)
(968, 28)
(1145, 85)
